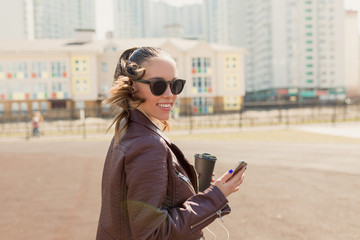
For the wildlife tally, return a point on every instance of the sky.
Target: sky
(105, 23)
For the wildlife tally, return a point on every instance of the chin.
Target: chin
(164, 118)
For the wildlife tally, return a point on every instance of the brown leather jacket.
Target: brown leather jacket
(149, 189)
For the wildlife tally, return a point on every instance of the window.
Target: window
(309, 65)
(17, 70)
(81, 85)
(79, 105)
(201, 85)
(35, 106)
(2, 74)
(24, 108)
(15, 108)
(202, 105)
(2, 92)
(231, 103)
(39, 70)
(58, 69)
(59, 90)
(201, 65)
(44, 107)
(231, 62)
(309, 49)
(80, 64)
(309, 81)
(1, 109)
(309, 57)
(40, 90)
(104, 67)
(18, 91)
(231, 82)
(309, 73)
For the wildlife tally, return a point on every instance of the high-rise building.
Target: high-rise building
(45, 19)
(130, 18)
(217, 21)
(147, 18)
(296, 49)
(352, 55)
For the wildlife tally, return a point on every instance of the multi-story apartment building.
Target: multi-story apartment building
(352, 55)
(296, 49)
(146, 18)
(217, 21)
(35, 19)
(59, 74)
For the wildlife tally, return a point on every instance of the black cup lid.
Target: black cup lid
(206, 156)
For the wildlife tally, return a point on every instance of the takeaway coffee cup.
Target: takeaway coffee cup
(204, 165)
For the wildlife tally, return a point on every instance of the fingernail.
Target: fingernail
(230, 171)
(245, 167)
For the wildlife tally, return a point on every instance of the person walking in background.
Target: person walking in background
(36, 119)
(149, 189)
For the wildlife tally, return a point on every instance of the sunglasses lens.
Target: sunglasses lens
(158, 88)
(177, 86)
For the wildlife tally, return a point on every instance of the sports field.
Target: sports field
(298, 185)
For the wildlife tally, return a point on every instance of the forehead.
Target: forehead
(164, 67)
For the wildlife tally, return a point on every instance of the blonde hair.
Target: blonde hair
(122, 94)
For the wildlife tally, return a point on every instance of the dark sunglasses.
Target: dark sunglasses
(158, 86)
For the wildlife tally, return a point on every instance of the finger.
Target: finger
(226, 176)
(236, 179)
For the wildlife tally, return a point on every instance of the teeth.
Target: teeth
(164, 105)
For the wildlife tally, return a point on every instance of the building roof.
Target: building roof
(97, 46)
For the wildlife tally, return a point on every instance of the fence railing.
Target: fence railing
(95, 121)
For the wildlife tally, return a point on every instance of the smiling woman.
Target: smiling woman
(149, 189)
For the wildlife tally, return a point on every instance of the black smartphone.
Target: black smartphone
(238, 167)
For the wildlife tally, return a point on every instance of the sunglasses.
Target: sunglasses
(158, 86)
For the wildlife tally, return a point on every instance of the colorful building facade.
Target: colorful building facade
(70, 75)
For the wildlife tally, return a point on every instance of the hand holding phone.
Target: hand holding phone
(238, 167)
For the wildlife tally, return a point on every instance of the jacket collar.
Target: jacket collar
(140, 118)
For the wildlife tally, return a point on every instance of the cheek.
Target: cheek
(140, 91)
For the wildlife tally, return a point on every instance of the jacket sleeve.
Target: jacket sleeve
(147, 188)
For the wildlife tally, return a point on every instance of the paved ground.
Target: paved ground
(299, 185)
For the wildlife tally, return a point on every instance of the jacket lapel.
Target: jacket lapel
(139, 117)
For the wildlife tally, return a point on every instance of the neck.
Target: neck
(154, 121)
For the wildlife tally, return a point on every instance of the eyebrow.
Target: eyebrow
(153, 78)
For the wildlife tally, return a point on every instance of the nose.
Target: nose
(168, 92)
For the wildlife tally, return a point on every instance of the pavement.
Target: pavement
(51, 187)
(345, 129)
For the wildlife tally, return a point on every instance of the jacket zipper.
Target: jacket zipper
(206, 219)
(183, 177)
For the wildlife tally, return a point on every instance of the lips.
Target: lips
(164, 106)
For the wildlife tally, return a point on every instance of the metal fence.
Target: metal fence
(97, 121)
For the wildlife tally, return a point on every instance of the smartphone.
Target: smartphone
(238, 167)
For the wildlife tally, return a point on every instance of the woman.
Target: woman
(149, 189)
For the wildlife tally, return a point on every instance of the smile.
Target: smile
(164, 106)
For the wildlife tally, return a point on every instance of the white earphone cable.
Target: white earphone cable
(211, 232)
(223, 226)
